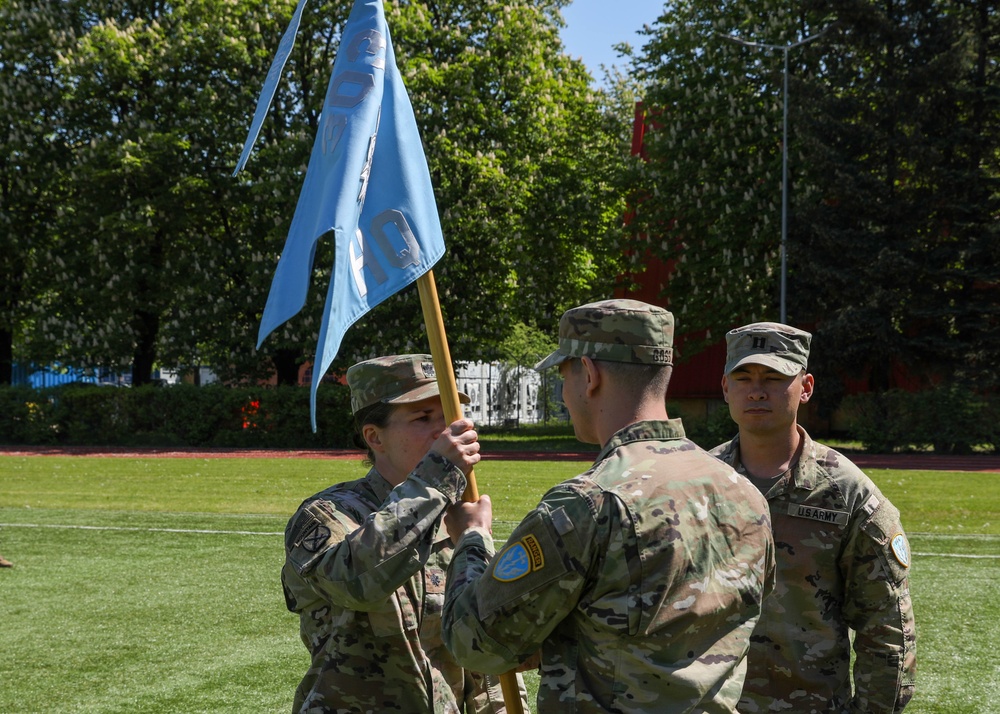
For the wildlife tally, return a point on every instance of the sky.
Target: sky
(593, 26)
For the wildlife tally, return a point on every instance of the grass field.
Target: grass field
(151, 585)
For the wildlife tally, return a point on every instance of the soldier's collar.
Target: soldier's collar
(803, 478)
(643, 430)
(379, 485)
(804, 468)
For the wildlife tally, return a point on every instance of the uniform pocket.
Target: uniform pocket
(317, 528)
(395, 616)
(892, 547)
(524, 565)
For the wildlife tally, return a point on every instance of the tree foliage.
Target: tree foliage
(143, 237)
(893, 156)
(707, 199)
(898, 256)
(148, 252)
(31, 36)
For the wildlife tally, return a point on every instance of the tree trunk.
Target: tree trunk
(286, 364)
(147, 327)
(6, 357)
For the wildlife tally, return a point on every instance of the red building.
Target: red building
(696, 384)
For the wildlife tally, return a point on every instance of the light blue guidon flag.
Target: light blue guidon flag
(367, 182)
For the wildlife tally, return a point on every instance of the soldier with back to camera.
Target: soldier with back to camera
(640, 580)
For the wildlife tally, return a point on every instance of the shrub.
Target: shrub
(717, 428)
(881, 422)
(951, 418)
(180, 415)
(26, 417)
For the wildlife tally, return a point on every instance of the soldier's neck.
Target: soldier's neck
(767, 456)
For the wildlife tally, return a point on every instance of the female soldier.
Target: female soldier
(366, 560)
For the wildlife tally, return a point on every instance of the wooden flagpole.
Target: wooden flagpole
(445, 371)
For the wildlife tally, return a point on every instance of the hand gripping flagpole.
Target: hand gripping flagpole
(448, 387)
(443, 368)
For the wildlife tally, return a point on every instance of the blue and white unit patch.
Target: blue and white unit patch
(518, 560)
(901, 549)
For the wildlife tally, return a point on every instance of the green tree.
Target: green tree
(707, 199)
(893, 165)
(148, 240)
(32, 34)
(159, 256)
(899, 260)
(519, 351)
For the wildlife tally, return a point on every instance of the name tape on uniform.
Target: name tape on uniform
(818, 514)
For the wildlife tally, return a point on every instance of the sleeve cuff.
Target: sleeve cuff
(441, 474)
(477, 537)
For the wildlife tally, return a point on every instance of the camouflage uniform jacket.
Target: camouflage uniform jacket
(640, 581)
(364, 569)
(843, 562)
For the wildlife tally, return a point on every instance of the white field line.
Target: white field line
(141, 530)
(952, 536)
(206, 531)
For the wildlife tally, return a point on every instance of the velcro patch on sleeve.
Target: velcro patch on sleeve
(562, 522)
(319, 527)
(315, 537)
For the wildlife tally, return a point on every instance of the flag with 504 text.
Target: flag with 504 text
(367, 183)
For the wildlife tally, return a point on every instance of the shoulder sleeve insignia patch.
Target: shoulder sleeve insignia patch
(901, 549)
(519, 559)
(315, 538)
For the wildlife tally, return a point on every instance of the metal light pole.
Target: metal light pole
(784, 150)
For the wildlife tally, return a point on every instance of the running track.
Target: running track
(977, 462)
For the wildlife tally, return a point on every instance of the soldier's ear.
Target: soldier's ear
(373, 437)
(807, 388)
(593, 375)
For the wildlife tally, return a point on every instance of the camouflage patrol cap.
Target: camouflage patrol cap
(780, 347)
(396, 379)
(615, 331)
